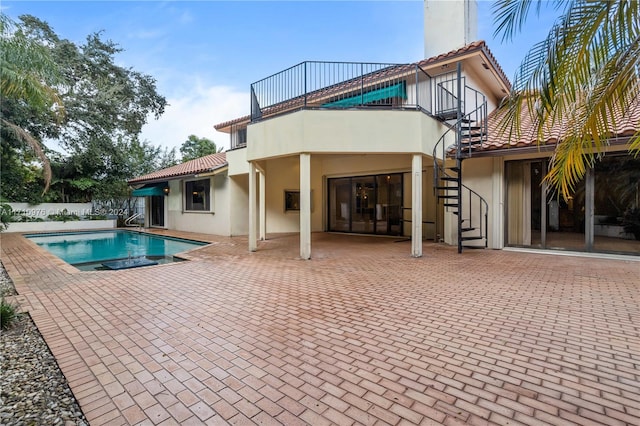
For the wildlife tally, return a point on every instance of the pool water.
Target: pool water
(88, 250)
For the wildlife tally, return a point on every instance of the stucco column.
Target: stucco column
(262, 206)
(305, 206)
(253, 241)
(416, 206)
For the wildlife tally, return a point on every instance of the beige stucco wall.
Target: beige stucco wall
(477, 174)
(239, 204)
(449, 25)
(474, 81)
(484, 176)
(217, 221)
(238, 164)
(284, 174)
(328, 131)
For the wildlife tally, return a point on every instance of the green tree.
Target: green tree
(583, 75)
(28, 75)
(80, 178)
(106, 106)
(195, 147)
(104, 102)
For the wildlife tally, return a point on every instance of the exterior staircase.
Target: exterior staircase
(463, 110)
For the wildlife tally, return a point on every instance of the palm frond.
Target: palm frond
(582, 78)
(34, 144)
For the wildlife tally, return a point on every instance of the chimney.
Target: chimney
(449, 25)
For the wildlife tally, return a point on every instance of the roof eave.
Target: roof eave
(616, 142)
(210, 171)
(226, 126)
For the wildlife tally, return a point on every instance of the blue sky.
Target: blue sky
(205, 54)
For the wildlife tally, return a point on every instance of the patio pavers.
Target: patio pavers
(361, 334)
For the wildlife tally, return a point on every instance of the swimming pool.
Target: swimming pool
(89, 250)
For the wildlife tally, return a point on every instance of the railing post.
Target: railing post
(458, 153)
(305, 84)
(417, 88)
(361, 83)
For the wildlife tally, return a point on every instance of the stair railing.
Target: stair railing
(129, 221)
(470, 127)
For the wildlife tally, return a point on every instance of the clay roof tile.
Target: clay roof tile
(192, 167)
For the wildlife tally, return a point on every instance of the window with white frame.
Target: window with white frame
(197, 194)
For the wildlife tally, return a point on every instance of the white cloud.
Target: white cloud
(195, 113)
(186, 17)
(146, 34)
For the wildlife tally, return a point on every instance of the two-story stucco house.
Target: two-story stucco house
(405, 150)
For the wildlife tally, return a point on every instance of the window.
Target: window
(197, 195)
(242, 137)
(238, 137)
(291, 201)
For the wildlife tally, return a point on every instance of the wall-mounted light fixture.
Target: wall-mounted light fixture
(166, 190)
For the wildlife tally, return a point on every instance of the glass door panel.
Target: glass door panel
(366, 204)
(566, 224)
(340, 205)
(157, 210)
(518, 194)
(363, 205)
(388, 204)
(616, 205)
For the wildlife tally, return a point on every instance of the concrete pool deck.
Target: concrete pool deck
(360, 334)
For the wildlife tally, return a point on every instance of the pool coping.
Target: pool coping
(69, 268)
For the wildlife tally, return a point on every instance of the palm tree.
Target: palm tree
(27, 72)
(582, 77)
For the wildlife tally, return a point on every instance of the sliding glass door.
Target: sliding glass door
(616, 205)
(366, 204)
(597, 216)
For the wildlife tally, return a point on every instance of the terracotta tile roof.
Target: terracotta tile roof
(625, 125)
(394, 71)
(476, 46)
(199, 165)
(232, 122)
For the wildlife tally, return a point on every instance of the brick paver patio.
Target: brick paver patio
(361, 334)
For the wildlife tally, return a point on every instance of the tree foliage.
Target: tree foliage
(583, 76)
(195, 147)
(103, 101)
(81, 178)
(28, 73)
(105, 107)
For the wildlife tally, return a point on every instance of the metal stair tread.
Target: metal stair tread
(470, 131)
(475, 237)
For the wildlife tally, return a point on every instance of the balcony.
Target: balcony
(354, 85)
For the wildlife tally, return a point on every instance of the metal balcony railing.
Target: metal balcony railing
(342, 85)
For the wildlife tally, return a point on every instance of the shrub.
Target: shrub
(65, 216)
(6, 214)
(7, 314)
(24, 218)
